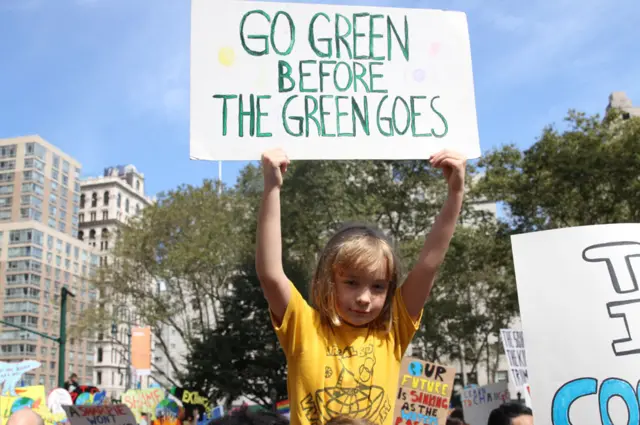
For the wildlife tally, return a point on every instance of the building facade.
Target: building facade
(40, 254)
(619, 100)
(105, 204)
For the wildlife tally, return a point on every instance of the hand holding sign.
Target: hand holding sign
(453, 165)
(274, 165)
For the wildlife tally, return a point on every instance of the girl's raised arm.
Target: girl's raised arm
(417, 286)
(273, 281)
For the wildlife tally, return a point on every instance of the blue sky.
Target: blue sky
(108, 80)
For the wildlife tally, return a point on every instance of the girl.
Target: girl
(343, 354)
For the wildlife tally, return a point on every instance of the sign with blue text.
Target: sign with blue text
(579, 297)
(329, 82)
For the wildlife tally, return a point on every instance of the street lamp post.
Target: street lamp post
(274, 399)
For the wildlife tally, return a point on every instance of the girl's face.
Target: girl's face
(360, 296)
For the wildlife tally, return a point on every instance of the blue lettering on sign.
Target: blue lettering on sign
(612, 387)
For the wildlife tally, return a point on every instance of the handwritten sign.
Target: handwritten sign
(424, 392)
(513, 342)
(580, 307)
(141, 401)
(114, 414)
(10, 374)
(478, 402)
(329, 82)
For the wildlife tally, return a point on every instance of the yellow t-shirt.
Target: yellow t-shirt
(342, 370)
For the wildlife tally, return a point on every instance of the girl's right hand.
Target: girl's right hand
(274, 165)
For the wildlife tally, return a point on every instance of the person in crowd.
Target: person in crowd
(25, 417)
(362, 317)
(72, 384)
(512, 413)
(456, 417)
(244, 416)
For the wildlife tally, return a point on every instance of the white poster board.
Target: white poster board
(513, 342)
(478, 402)
(329, 82)
(580, 307)
(11, 373)
(111, 414)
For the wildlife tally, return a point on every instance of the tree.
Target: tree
(241, 356)
(584, 175)
(172, 263)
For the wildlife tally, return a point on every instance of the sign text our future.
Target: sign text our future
(338, 89)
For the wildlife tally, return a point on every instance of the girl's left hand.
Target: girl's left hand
(453, 166)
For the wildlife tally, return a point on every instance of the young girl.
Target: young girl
(343, 354)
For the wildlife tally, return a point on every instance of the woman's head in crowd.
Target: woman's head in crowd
(356, 278)
(512, 413)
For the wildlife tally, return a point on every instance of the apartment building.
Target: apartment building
(106, 203)
(40, 254)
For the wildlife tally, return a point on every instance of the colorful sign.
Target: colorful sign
(141, 350)
(513, 342)
(478, 402)
(424, 392)
(579, 299)
(10, 374)
(329, 82)
(143, 401)
(192, 401)
(114, 414)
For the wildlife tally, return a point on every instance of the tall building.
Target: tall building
(106, 203)
(40, 254)
(619, 100)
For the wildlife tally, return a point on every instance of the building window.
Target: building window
(119, 200)
(94, 200)
(93, 216)
(100, 354)
(105, 215)
(81, 217)
(81, 235)
(138, 185)
(106, 198)
(92, 234)
(126, 205)
(98, 378)
(82, 200)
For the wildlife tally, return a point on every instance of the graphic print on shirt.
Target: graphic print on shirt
(352, 392)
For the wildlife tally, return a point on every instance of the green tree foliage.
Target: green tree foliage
(584, 175)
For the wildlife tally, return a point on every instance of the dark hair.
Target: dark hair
(457, 414)
(243, 416)
(504, 414)
(454, 421)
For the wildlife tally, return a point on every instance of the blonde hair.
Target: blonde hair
(358, 248)
(346, 420)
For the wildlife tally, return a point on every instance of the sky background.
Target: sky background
(107, 81)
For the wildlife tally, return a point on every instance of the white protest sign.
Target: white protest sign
(329, 82)
(113, 414)
(10, 374)
(580, 309)
(513, 342)
(478, 402)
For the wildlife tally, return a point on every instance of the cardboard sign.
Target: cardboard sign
(143, 401)
(580, 307)
(478, 402)
(329, 82)
(424, 392)
(114, 414)
(513, 342)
